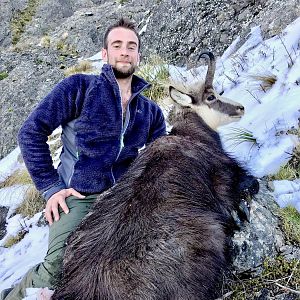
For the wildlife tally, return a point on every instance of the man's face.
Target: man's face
(122, 52)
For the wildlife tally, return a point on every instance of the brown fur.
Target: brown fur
(163, 231)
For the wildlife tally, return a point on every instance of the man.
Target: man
(105, 121)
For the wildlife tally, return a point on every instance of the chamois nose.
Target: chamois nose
(240, 109)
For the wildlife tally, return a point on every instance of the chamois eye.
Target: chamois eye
(211, 98)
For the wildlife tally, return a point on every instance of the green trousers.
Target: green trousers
(47, 273)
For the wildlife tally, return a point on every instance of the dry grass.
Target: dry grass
(84, 66)
(156, 72)
(18, 177)
(263, 82)
(45, 41)
(32, 203)
(12, 240)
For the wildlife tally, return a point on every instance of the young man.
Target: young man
(105, 121)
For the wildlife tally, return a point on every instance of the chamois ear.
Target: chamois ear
(179, 97)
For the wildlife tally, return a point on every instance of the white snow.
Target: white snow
(287, 193)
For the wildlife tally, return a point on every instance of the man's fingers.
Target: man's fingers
(64, 206)
(55, 212)
(57, 200)
(48, 215)
(76, 194)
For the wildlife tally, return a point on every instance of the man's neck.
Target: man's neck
(125, 89)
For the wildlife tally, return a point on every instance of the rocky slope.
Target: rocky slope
(39, 38)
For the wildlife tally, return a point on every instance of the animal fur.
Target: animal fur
(163, 231)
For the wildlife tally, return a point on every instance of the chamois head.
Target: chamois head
(214, 109)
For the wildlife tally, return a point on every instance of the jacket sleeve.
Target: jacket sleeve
(57, 108)
(158, 127)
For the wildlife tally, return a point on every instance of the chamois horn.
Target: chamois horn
(211, 67)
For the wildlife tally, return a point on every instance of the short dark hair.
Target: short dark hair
(124, 23)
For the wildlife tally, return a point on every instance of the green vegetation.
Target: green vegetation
(156, 72)
(287, 172)
(278, 276)
(3, 75)
(291, 170)
(290, 219)
(122, 1)
(238, 136)
(21, 19)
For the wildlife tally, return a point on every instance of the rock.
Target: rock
(3, 214)
(262, 236)
(64, 30)
(31, 76)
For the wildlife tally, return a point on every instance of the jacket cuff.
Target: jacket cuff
(54, 189)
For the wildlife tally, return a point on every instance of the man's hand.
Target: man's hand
(58, 199)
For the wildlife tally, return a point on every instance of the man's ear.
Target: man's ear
(104, 54)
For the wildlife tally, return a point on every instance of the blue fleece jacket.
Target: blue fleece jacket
(104, 145)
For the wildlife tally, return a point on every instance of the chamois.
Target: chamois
(163, 231)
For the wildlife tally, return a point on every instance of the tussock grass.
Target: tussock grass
(84, 66)
(290, 219)
(156, 72)
(12, 240)
(21, 19)
(65, 48)
(291, 170)
(286, 172)
(32, 203)
(20, 176)
(278, 276)
(263, 82)
(237, 136)
(45, 41)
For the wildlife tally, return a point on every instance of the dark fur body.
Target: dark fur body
(162, 232)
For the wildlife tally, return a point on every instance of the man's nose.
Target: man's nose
(124, 51)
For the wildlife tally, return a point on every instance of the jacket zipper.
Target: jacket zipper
(122, 130)
(121, 136)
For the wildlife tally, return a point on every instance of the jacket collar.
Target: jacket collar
(138, 84)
